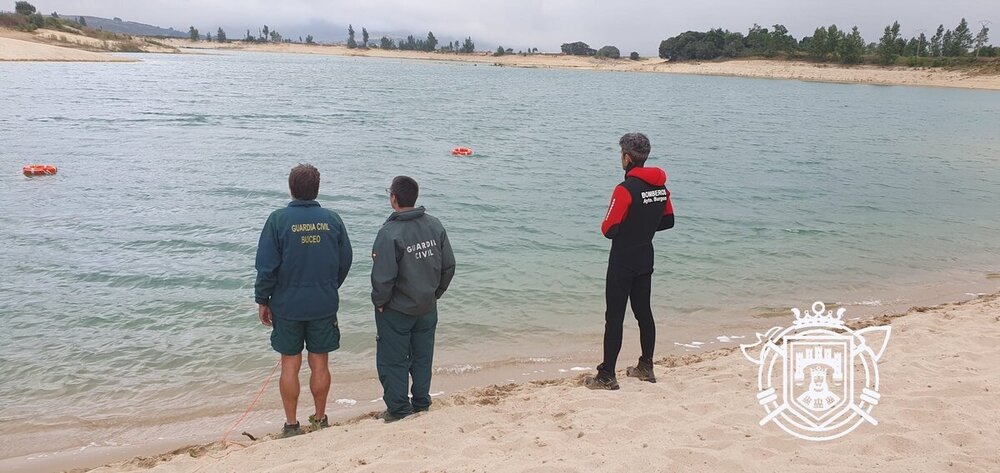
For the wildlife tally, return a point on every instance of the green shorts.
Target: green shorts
(319, 336)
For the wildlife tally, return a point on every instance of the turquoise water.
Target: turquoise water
(127, 279)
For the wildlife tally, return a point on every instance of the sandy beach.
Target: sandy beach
(939, 412)
(752, 68)
(47, 45)
(14, 47)
(66, 46)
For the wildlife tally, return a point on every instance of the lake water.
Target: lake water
(127, 279)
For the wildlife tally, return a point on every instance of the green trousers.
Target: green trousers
(405, 348)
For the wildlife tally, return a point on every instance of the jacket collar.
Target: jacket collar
(411, 214)
(303, 203)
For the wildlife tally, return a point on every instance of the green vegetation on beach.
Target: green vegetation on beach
(26, 18)
(832, 44)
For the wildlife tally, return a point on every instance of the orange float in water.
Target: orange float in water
(462, 152)
(39, 170)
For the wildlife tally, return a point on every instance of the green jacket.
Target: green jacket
(413, 263)
(303, 257)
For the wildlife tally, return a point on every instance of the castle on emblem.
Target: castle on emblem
(841, 388)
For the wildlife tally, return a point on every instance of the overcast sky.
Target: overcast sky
(545, 24)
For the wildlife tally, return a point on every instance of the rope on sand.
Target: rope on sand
(252, 404)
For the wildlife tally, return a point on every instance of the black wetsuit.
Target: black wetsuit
(640, 207)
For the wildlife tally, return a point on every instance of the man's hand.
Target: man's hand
(264, 312)
(380, 309)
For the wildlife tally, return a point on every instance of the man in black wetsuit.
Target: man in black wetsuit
(640, 207)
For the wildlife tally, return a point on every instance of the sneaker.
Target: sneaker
(387, 417)
(601, 381)
(291, 430)
(642, 371)
(318, 424)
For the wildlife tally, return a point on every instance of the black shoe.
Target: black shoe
(388, 417)
(421, 409)
(291, 430)
(643, 371)
(601, 381)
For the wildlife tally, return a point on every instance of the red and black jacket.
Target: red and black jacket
(640, 207)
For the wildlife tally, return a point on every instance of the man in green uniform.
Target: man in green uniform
(413, 266)
(303, 257)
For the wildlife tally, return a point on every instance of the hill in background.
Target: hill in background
(117, 25)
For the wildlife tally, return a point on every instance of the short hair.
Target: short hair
(303, 181)
(405, 189)
(635, 145)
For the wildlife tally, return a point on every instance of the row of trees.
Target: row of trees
(826, 44)
(264, 35)
(580, 48)
(503, 51)
(759, 41)
(945, 43)
(413, 44)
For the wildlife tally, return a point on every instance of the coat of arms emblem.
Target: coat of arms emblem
(818, 379)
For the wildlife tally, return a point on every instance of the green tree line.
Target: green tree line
(828, 44)
(411, 43)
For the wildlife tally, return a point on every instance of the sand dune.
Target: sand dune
(939, 412)
(12, 49)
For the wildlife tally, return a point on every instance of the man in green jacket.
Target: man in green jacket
(413, 266)
(303, 258)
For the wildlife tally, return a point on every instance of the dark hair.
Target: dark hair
(303, 181)
(405, 189)
(635, 145)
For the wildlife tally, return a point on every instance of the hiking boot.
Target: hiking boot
(643, 371)
(601, 381)
(388, 417)
(318, 424)
(291, 430)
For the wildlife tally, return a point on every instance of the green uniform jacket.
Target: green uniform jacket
(303, 257)
(413, 263)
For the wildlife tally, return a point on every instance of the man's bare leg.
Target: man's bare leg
(319, 381)
(288, 385)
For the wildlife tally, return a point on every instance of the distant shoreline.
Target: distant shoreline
(18, 46)
(747, 68)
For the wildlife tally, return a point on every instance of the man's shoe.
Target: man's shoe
(388, 417)
(601, 381)
(642, 371)
(421, 409)
(318, 424)
(291, 430)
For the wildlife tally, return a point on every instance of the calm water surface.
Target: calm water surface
(127, 279)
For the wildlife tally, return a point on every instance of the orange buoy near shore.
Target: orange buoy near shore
(39, 170)
(461, 152)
